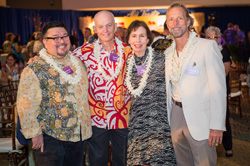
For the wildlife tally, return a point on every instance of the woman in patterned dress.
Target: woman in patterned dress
(149, 139)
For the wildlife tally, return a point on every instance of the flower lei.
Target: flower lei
(71, 80)
(143, 81)
(97, 50)
(175, 75)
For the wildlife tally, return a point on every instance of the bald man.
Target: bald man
(108, 97)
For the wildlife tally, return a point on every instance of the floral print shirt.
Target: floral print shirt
(47, 103)
(109, 100)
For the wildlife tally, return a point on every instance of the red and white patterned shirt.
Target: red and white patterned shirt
(109, 101)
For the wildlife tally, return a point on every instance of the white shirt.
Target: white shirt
(176, 95)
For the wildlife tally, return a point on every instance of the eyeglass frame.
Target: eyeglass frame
(58, 39)
(212, 37)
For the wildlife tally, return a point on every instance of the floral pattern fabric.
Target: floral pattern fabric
(109, 100)
(47, 103)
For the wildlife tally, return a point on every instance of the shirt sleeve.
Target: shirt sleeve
(226, 55)
(217, 86)
(29, 97)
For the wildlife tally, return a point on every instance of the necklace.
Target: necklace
(97, 50)
(143, 81)
(175, 75)
(71, 80)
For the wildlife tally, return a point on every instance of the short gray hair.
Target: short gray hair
(215, 30)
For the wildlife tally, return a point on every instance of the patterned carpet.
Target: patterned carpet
(241, 138)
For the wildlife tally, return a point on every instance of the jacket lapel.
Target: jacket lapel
(190, 54)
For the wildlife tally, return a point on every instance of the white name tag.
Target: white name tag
(193, 70)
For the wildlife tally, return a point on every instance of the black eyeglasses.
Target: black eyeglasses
(58, 39)
(212, 37)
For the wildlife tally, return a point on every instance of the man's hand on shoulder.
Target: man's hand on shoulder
(215, 137)
(31, 60)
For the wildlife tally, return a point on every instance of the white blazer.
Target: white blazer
(203, 96)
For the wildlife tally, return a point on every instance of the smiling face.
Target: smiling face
(10, 61)
(105, 26)
(177, 22)
(58, 49)
(138, 40)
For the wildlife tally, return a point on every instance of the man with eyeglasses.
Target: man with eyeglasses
(108, 97)
(52, 102)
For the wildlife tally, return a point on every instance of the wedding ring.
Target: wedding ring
(39, 146)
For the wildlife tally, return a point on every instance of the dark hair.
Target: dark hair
(13, 56)
(134, 26)
(8, 36)
(181, 6)
(52, 24)
(155, 33)
(165, 25)
(16, 39)
(88, 29)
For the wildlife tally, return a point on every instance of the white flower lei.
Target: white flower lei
(71, 80)
(175, 76)
(143, 81)
(97, 50)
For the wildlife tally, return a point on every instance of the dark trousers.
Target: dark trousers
(60, 153)
(227, 135)
(98, 146)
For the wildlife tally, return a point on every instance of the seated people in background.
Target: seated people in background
(13, 67)
(213, 33)
(38, 44)
(7, 44)
(3, 80)
(17, 48)
(29, 48)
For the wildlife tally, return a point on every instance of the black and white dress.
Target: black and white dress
(149, 138)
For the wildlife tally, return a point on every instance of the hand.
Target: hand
(215, 137)
(37, 142)
(32, 59)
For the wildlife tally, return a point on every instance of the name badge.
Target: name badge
(68, 70)
(114, 57)
(193, 70)
(141, 69)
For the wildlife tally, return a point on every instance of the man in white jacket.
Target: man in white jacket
(196, 92)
